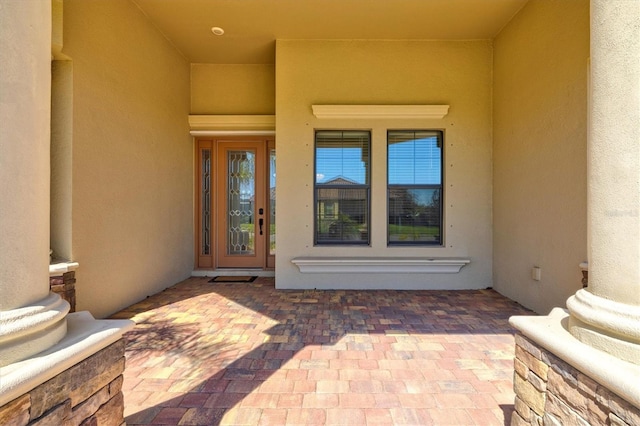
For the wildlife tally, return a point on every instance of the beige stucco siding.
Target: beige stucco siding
(25, 86)
(132, 156)
(388, 73)
(539, 150)
(232, 89)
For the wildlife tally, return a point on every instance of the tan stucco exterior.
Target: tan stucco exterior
(541, 143)
(515, 142)
(233, 89)
(615, 96)
(61, 158)
(386, 73)
(540, 68)
(31, 318)
(132, 206)
(515, 151)
(606, 316)
(25, 91)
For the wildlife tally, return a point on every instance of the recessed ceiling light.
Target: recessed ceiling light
(217, 31)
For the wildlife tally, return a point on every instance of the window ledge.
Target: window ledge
(433, 112)
(431, 265)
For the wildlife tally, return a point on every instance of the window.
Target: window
(414, 189)
(342, 187)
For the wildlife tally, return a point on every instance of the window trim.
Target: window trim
(441, 186)
(366, 187)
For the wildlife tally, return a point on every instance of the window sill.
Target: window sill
(385, 265)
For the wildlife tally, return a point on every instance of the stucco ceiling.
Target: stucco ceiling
(252, 26)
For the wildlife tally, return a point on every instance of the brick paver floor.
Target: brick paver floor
(246, 354)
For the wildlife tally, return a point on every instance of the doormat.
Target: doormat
(233, 279)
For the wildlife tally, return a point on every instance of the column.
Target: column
(606, 315)
(31, 318)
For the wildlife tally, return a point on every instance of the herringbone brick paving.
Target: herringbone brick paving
(247, 354)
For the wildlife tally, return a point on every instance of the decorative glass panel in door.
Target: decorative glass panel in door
(205, 237)
(240, 198)
(205, 196)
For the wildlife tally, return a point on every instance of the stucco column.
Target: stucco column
(31, 318)
(606, 315)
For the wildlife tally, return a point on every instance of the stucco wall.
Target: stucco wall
(61, 158)
(539, 151)
(25, 87)
(132, 156)
(381, 72)
(233, 89)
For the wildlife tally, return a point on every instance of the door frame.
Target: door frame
(209, 259)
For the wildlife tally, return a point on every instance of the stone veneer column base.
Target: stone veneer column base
(551, 392)
(88, 393)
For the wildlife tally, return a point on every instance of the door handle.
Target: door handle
(260, 223)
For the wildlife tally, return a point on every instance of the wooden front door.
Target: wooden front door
(236, 218)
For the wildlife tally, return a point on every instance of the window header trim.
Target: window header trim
(422, 112)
